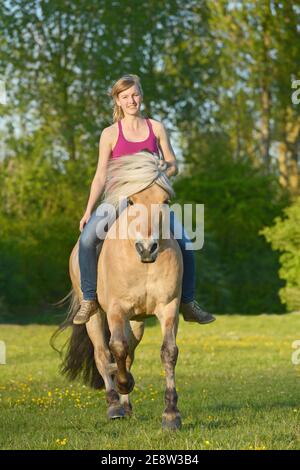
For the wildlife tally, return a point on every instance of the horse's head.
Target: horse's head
(141, 179)
(145, 217)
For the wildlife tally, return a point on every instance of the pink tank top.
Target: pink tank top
(124, 147)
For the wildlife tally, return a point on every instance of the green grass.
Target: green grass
(237, 386)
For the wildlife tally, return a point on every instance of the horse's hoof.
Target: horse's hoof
(116, 412)
(126, 387)
(171, 422)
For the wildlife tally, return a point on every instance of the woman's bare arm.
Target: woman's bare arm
(98, 183)
(167, 150)
(99, 179)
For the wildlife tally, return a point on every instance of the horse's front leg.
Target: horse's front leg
(119, 347)
(169, 317)
(134, 334)
(96, 328)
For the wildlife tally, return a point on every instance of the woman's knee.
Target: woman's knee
(88, 237)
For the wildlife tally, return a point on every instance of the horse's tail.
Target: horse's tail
(78, 361)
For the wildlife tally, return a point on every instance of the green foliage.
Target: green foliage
(215, 72)
(284, 236)
(40, 211)
(237, 270)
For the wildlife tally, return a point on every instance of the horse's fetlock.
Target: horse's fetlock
(171, 397)
(112, 397)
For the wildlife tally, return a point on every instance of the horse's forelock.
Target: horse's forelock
(131, 174)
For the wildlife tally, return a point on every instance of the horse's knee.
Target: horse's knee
(119, 348)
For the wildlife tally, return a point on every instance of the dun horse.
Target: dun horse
(139, 275)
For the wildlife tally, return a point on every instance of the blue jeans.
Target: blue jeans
(90, 244)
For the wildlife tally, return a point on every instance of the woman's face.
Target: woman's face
(130, 100)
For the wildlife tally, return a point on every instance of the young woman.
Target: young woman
(129, 133)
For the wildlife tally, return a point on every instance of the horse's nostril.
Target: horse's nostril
(154, 247)
(139, 248)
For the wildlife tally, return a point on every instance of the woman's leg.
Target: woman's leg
(88, 258)
(189, 266)
(190, 308)
(93, 235)
(90, 244)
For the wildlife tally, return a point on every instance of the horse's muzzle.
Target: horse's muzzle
(147, 250)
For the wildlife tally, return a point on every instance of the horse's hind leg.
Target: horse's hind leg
(96, 328)
(168, 318)
(134, 333)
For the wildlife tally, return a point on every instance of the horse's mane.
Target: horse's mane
(131, 174)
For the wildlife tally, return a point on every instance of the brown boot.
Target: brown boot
(192, 312)
(87, 309)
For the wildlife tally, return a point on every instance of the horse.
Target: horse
(138, 276)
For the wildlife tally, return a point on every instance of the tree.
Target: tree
(284, 236)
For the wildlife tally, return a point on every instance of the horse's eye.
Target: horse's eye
(167, 201)
(130, 202)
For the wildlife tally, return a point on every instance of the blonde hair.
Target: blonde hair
(125, 82)
(131, 174)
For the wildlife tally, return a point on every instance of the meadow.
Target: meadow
(238, 389)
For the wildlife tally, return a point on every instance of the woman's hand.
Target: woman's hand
(84, 220)
(172, 168)
(162, 165)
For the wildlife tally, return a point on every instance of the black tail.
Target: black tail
(78, 360)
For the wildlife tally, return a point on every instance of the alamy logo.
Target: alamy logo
(3, 98)
(296, 354)
(296, 94)
(2, 353)
(157, 221)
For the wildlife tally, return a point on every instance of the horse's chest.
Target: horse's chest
(145, 294)
(139, 288)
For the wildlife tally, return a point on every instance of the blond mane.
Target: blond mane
(131, 174)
